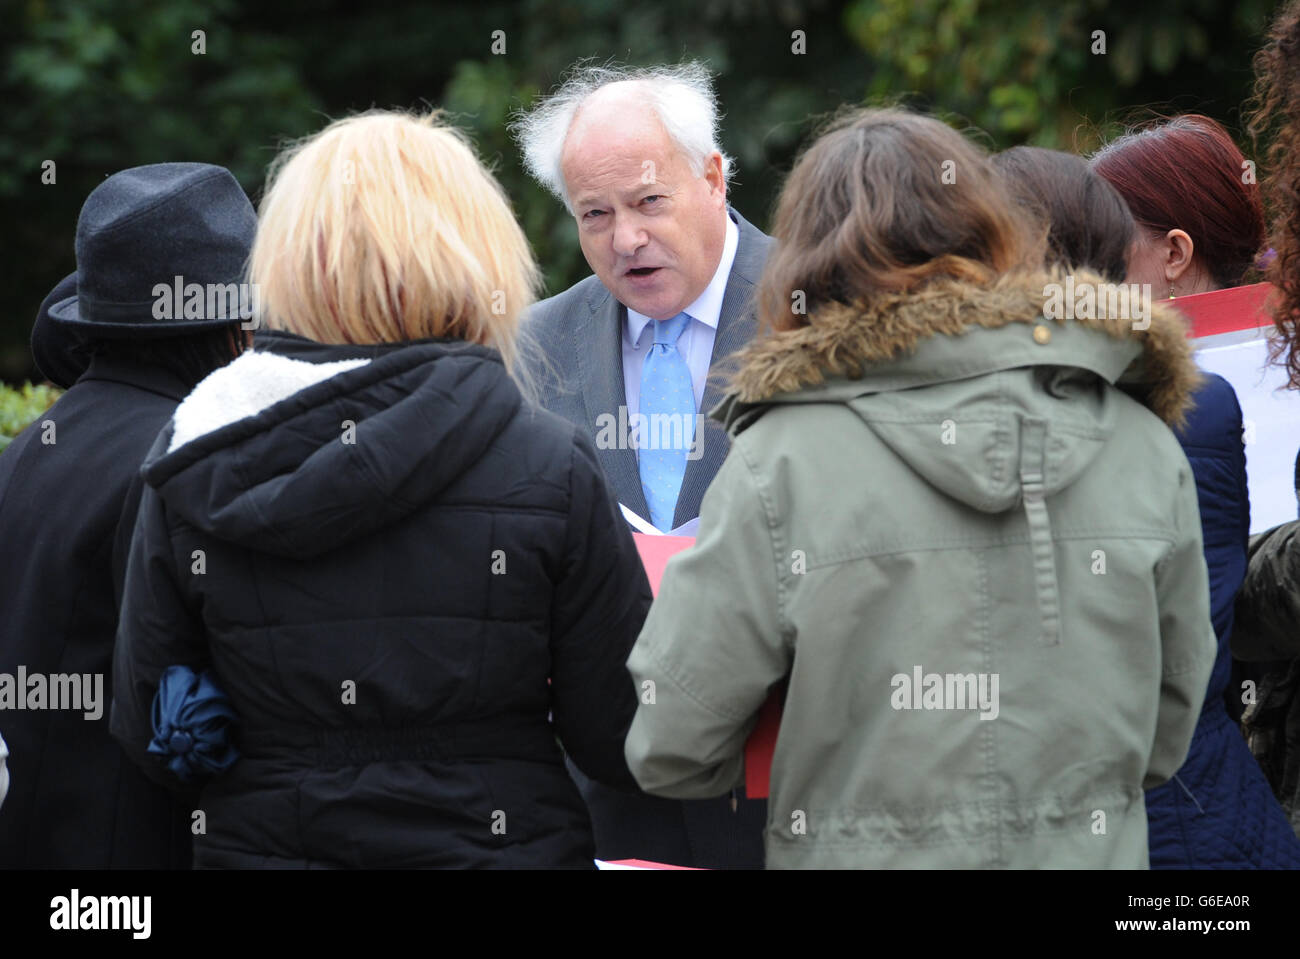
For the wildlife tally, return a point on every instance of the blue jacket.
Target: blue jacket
(1218, 811)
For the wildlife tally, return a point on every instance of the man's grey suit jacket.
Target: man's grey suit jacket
(580, 333)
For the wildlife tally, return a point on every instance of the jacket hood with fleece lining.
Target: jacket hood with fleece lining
(953, 380)
(296, 458)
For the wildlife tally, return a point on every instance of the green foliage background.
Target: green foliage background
(99, 86)
(21, 406)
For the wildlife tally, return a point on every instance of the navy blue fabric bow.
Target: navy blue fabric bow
(191, 724)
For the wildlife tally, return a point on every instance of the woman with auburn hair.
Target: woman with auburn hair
(407, 581)
(993, 639)
(1217, 811)
(1200, 227)
(1199, 214)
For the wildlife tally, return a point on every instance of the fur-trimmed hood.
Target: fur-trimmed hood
(972, 387)
(980, 394)
(902, 341)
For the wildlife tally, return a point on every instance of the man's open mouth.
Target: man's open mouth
(642, 271)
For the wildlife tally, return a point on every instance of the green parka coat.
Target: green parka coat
(976, 561)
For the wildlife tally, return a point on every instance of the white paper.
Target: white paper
(1271, 420)
(643, 525)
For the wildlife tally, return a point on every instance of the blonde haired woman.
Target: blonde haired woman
(408, 581)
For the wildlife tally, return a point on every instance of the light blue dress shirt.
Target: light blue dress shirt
(696, 343)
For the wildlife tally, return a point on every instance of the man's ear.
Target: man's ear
(1178, 253)
(713, 174)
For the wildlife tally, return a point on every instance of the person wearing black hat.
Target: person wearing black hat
(60, 353)
(69, 492)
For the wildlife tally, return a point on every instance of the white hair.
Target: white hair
(681, 96)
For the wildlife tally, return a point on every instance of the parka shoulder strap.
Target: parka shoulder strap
(1033, 466)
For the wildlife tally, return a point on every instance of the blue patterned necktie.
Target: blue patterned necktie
(668, 407)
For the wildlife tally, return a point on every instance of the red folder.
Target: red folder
(762, 744)
(655, 552)
(645, 863)
(1226, 311)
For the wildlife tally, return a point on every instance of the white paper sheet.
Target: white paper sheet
(642, 525)
(1271, 421)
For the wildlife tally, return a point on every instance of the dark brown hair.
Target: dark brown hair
(887, 201)
(1185, 173)
(1276, 109)
(1088, 222)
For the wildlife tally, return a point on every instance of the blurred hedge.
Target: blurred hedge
(92, 88)
(21, 406)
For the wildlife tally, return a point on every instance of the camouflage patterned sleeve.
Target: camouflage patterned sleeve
(1267, 623)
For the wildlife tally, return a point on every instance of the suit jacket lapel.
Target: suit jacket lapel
(736, 327)
(598, 345)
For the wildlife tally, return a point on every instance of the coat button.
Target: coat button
(1042, 334)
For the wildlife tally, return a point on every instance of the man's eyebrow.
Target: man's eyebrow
(636, 189)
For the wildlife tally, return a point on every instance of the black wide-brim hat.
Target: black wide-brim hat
(142, 229)
(54, 345)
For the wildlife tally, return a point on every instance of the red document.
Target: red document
(655, 552)
(1232, 310)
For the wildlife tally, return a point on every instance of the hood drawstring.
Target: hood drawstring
(1033, 468)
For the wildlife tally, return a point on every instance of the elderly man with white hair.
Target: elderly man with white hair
(633, 155)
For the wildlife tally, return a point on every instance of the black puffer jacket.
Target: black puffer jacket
(404, 569)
